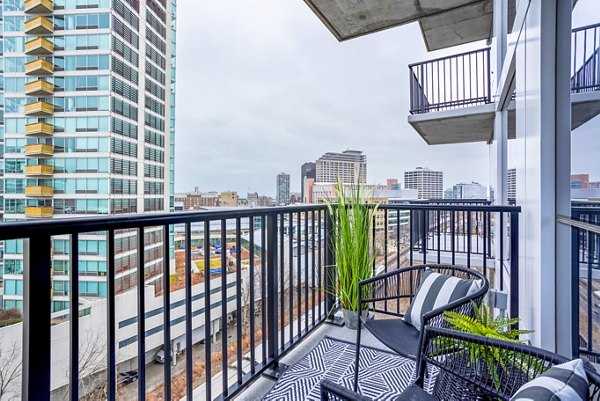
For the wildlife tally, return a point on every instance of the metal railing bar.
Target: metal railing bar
(579, 224)
(224, 364)
(111, 318)
(252, 283)
(167, 312)
(238, 289)
(74, 318)
(207, 302)
(189, 386)
(141, 341)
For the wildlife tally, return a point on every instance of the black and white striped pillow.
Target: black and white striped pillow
(566, 382)
(435, 291)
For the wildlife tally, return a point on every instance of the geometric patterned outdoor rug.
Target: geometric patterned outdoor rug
(382, 375)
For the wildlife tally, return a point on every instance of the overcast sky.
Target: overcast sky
(263, 86)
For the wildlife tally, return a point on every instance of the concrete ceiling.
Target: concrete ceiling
(449, 22)
(462, 25)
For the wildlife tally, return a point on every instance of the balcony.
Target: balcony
(39, 25)
(39, 212)
(451, 101)
(39, 149)
(269, 264)
(39, 170)
(39, 88)
(39, 6)
(39, 46)
(39, 67)
(39, 129)
(40, 108)
(39, 191)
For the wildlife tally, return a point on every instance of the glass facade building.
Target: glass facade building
(87, 128)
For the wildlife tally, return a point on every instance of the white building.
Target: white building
(428, 183)
(350, 166)
(472, 190)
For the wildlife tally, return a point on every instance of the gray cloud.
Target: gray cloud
(263, 87)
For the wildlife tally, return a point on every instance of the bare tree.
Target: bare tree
(10, 370)
(92, 366)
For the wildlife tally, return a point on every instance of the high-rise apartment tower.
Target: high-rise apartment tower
(283, 188)
(89, 129)
(350, 166)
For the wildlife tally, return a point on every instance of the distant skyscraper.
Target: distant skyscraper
(511, 183)
(472, 190)
(308, 170)
(283, 188)
(349, 166)
(428, 183)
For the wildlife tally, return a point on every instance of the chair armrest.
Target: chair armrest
(333, 391)
(394, 289)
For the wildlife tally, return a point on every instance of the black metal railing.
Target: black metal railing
(585, 250)
(482, 237)
(243, 288)
(585, 49)
(465, 79)
(450, 82)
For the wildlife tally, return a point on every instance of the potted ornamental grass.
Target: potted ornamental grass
(353, 220)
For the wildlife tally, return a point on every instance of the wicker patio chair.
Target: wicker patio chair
(459, 379)
(393, 292)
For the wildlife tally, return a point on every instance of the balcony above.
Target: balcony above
(39, 191)
(443, 23)
(448, 108)
(39, 67)
(39, 129)
(40, 108)
(39, 6)
(39, 170)
(39, 149)
(39, 88)
(450, 97)
(39, 46)
(39, 25)
(39, 212)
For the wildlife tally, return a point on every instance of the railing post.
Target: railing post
(37, 286)
(329, 265)
(514, 264)
(272, 324)
(575, 247)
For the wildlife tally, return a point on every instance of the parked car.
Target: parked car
(128, 377)
(160, 356)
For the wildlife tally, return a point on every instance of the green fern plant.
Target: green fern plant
(482, 323)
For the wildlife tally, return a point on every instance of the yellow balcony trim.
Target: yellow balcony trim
(39, 169)
(39, 190)
(39, 149)
(39, 6)
(39, 25)
(39, 67)
(39, 46)
(39, 211)
(39, 108)
(39, 88)
(40, 128)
